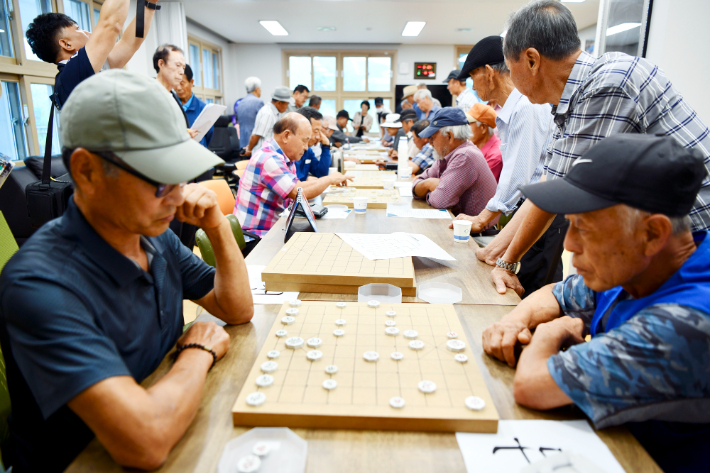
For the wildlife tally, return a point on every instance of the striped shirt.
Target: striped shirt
(466, 100)
(264, 124)
(524, 130)
(264, 188)
(618, 93)
(425, 157)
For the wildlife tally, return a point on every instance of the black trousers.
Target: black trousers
(542, 264)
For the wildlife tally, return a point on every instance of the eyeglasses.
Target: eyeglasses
(161, 189)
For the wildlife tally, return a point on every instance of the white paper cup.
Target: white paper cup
(388, 182)
(405, 172)
(360, 204)
(462, 231)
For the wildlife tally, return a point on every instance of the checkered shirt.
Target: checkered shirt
(264, 188)
(425, 157)
(466, 100)
(618, 93)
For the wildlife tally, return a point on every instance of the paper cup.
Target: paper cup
(360, 204)
(388, 182)
(462, 231)
(405, 172)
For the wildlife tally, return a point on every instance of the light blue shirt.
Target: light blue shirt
(246, 114)
(524, 131)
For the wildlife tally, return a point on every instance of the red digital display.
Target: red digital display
(425, 70)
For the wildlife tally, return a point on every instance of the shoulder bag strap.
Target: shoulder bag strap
(47, 165)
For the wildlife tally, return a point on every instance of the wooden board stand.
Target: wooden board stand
(324, 259)
(369, 179)
(361, 399)
(376, 199)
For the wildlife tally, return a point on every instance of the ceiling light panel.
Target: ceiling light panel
(274, 27)
(413, 28)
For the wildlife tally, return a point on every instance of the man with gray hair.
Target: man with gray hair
(460, 178)
(592, 98)
(248, 109)
(641, 292)
(425, 102)
(266, 118)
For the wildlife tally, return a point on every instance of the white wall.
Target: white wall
(677, 43)
(265, 62)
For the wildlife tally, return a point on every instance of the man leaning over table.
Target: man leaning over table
(92, 303)
(642, 290)
(270, 183)
(592, 98)
(460, 178)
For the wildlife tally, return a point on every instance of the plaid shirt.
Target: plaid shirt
(264, 188)
(425, 157)
(618, 93)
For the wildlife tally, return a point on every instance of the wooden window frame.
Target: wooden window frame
(339, 94)
(203, 92)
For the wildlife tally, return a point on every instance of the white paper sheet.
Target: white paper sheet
(394, 245)
(260, 295)
(540, 439)
(403, 184)
(400, 210)
(336, 214)
(405, 191)
(206, 119)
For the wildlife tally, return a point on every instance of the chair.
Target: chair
(13, 203)
(8, 247)
(225, 142)
(224, 194)
(205, 246)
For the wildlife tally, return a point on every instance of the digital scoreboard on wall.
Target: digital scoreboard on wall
(425, 70)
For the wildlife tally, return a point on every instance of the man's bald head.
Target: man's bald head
(292, 133)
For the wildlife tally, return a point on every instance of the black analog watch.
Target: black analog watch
(512, 267)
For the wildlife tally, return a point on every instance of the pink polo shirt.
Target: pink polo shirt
(494, 158)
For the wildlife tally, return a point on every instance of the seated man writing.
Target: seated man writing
(270, 183)
(459, 179)
(92, 303)
(310, 164)
(642, 290)
(425, 157)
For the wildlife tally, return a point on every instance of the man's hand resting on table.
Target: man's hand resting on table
(501, 338)
(504, 279)
(476, 224)
(209, 335)
(338, 179)
(426, 186)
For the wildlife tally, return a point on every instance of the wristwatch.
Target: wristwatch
(512, 267)
(151, 5)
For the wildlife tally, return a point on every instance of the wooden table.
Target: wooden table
(467, 272)
(346, 451)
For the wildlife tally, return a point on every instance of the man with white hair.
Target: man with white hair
(460, 178)
(248, 108)
(266, 119)
(426, 104)
(641, 292)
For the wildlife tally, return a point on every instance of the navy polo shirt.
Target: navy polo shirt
(71, 73)
(73, 312)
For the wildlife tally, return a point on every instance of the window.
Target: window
(5, 33)
(624, 26)
(12, 133)
(79, 12)
(343, 79)
(205, 59)
(29, 9)
(42, 105)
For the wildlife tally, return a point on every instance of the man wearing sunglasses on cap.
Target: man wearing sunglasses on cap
(92, 303)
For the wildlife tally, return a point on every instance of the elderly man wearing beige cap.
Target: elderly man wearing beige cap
(482, 119)
(92, 303)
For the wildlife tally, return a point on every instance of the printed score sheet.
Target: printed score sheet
(394, 245)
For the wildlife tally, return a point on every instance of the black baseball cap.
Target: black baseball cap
(378, 101)
(489, 50)
(454, 75)
(407, 114)
(647, 172)
(343, 113)
(447, 116)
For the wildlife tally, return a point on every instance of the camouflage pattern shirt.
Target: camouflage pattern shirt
(656, 365)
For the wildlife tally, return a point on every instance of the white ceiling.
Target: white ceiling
(364, 21)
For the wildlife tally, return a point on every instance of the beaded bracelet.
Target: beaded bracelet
(180, 349)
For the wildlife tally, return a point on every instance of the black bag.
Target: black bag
(47, 199)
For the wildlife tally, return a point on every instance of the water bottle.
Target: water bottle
(403, 169)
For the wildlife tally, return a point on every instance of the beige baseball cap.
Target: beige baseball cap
(409, 90)
(134, 117)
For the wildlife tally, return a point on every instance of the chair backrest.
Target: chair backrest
(8, 247)
(224, 194)
(13, 202)
(222, 143)
(205, 246)
(242, 165)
